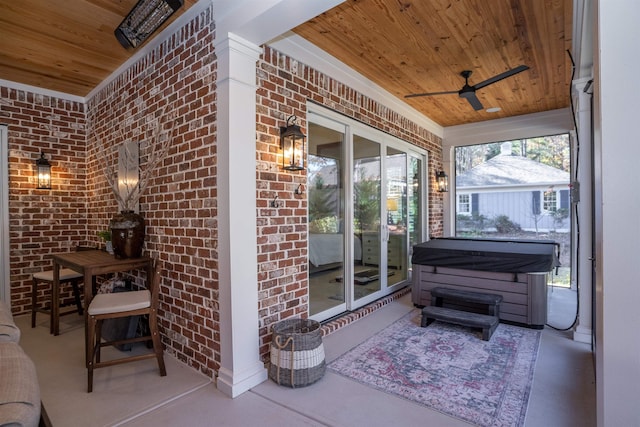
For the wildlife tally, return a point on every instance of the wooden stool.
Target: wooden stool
(487, 323)
(492, 301)
(66, 276)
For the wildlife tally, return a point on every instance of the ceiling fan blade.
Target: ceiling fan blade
(414, 95)
(501, 76)
(473, 100)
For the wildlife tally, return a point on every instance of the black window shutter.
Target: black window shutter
(474, 203)
(564, 199)
(535, 202)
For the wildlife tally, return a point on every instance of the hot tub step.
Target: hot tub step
(492, 301)
(488, 324)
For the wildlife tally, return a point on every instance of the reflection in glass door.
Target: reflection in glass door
(326, 219)
(396, 224)
(415, 203)
(366, 216)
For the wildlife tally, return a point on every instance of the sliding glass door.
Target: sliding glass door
(325, 178)
(367, 211)
(366, 192)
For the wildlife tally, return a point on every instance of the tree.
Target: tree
(550, 150)
(366, 202)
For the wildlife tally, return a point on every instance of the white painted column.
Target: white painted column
(240, 365)
(617, 198)
(583, 244)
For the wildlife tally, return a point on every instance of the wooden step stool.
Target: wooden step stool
(487, 322)
(492, 301)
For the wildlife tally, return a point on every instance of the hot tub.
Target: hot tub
(515, 269)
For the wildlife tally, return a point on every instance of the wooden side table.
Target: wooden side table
(91, 264)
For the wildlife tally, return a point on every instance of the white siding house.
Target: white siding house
(512, 188)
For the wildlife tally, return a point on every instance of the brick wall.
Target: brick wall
(42, 222)
(284, 87)
(180, 203)
(174, 83)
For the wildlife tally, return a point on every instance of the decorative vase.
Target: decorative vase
(127, 234)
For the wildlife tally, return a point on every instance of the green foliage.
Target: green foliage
(322, 200)
(327, 224)
(366, 203)
(559, 215)
(473, 222)
(504, 225)
(550, 150)
(105, 235)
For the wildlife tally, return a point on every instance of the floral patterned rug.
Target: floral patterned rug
(449, 368)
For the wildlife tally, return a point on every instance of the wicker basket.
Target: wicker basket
(297, 353)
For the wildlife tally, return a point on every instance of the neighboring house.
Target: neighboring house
(530, 194)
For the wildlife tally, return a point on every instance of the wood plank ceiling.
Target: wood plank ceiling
(404, 46)
(68, 45)
(417, 46)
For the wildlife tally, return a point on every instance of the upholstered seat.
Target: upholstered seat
(119, 302)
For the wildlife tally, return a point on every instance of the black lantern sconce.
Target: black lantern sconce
(43, 173)
(292, 146)
(143, 20)
(443, 181)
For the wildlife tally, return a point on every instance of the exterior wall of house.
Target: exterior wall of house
(285, 87)
(517, 207)
(42, 222)
(173, 83)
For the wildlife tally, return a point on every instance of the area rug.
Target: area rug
(449, 368)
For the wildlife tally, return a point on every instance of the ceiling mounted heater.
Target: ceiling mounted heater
(145, 18)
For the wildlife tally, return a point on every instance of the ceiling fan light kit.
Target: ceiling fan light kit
(468, 92)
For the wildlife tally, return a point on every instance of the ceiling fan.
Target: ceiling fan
(469, 92)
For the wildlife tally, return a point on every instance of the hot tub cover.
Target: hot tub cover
(510, 256)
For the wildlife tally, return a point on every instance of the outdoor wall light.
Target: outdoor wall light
(43, 173)
(145, 18)
(292, 146)
(443, 181)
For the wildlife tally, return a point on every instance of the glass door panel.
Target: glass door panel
(366, 216)
(396, 223)
(366, 206)
(326, 219)
(414, 204)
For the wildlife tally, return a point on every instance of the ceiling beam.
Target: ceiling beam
(259, 21)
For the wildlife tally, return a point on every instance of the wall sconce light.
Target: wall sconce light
(43, 173)
(292, 146)
(443, 181)
(145, 18)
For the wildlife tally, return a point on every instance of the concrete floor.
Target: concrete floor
(563, 391)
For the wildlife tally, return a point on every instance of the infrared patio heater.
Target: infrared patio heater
(143, 20)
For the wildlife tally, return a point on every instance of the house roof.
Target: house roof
(505, 169)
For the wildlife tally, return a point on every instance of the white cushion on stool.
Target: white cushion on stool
(119, 301)
(65, 274)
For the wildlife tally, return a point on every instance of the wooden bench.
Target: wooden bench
(487, 323)
(492, 301)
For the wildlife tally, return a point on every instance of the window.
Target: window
(550, 201)
(464, 204)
